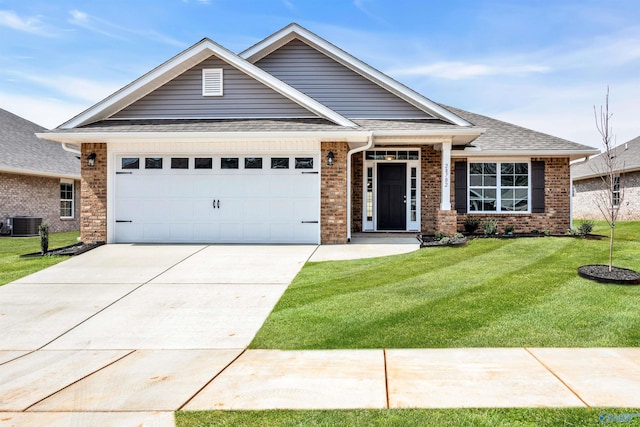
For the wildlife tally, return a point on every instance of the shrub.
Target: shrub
(490, 227)
(509, 229)
(459, 236)
(471, 224)
(445, 240)
(585, 227)
(439, 235)
(43, 231)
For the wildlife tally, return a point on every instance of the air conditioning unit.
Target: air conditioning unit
(22, 226)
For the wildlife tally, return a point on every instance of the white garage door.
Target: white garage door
(217, 199)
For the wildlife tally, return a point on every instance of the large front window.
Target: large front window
(498, 187)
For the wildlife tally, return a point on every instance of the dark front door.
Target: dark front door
(392, 196)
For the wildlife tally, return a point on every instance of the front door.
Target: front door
(392, 196)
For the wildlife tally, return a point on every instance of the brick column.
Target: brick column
(93, 193)
(333, 193)
(447, 222)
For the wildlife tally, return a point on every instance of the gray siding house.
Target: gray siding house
(37, 178)
(587, 183)
(296, 141)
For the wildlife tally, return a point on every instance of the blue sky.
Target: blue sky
(540, 64)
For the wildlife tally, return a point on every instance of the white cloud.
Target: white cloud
(75, 88)
(32, 25)
(45, 111)
(454, 70)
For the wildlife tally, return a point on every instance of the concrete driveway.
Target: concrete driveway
(132, 327)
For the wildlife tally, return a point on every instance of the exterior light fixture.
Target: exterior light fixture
(330, 158)
(91, 160)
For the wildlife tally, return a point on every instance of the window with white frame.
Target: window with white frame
(499, 187)
(615, 195)
(66, 198)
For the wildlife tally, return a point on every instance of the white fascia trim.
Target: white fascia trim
(39, 173)
(573, 154)
(280, 38)
(79, 138)
(183, 62)
(431, 132)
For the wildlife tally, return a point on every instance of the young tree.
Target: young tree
(610, 165)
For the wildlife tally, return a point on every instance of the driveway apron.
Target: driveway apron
(139, 328)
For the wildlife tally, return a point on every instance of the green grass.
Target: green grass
(491, 293)
(12, 267)
(533, 417)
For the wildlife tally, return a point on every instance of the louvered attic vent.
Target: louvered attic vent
(212, 82)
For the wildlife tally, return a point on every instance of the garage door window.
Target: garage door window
(229, 163)
(203, 163)
(130, 163)
(304, 162)
(253, 162)
(179, 163)
(153, 163)
(279, 163)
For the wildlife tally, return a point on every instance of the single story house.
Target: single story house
(38, 180)
(296, 141)
(587, 183)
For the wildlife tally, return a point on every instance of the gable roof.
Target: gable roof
(22, 152)
(627, 159)
(181, 63)
(295, 31)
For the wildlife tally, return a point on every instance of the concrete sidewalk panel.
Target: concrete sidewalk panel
(178, 316)
(359, 251)
(31, 378)
(31, 315)
(143, 381)
(115, 264)
(259, 264)
(472, 377)
(600, 376)
(317, 379)
(102, 419)
(6, 356)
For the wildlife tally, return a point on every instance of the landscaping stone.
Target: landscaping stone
(600, 273)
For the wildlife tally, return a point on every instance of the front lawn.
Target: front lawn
(491, 293)
(12, 267)
(533, 417)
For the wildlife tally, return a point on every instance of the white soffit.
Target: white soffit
(293, 31)
(181, 63)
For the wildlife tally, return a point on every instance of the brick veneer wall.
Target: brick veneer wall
(584, 199)
(556, 217)
(30, 195)
(430, 182)
(357, 170)
(93, 217)
(333, 194)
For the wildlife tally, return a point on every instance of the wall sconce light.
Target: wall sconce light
(330, 158)
(91, 160)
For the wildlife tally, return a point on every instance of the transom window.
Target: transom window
(66, 199)
(390, 155)
(499, 187)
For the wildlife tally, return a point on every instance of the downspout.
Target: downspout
(67, 147)
(585, 160)
(369, 145)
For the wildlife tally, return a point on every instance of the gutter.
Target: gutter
(368, 146)
(66, 147)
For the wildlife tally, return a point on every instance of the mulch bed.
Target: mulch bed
(71, 250)
(600, 273)
(427, 241)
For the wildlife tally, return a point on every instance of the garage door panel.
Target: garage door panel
(217, 206)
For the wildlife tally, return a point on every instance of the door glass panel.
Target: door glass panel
(279, 163)
(304, 162)
(130, 163)
(153, 163)
(414, 188)
(179, 163)
(229, 163)
(253, 162)
(203, 163)
(369, 194)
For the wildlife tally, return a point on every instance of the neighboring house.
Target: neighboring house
(296, 141)
(37, 178)
(588, 183)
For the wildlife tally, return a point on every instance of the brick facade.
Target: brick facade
(333, 194)
(93, 225)
(39, 196)
(357, 171)
(584, 198)
(431, 184)
(556, 217)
